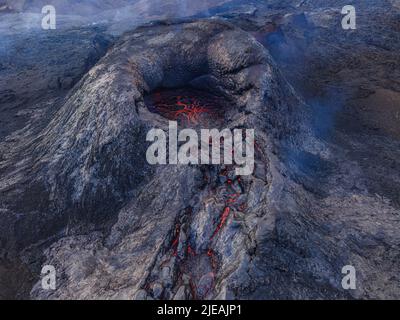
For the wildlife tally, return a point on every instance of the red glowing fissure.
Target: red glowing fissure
(224, 217)
(230, 199)
(175, 242)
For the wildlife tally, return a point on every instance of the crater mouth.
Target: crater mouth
(188, 106)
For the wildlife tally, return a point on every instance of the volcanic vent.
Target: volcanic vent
(188, 106)
(132, 230)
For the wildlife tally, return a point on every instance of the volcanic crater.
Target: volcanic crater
(192, 234)
(116, 227)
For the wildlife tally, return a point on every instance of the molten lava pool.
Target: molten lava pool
(187, 106)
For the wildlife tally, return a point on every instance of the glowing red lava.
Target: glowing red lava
(175, 242)
(224, 217)
(188, 105)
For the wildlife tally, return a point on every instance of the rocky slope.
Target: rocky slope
(78, 193)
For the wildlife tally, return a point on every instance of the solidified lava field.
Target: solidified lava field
(78, 194)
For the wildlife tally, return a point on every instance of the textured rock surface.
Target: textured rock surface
(140, 247)
(324, 193)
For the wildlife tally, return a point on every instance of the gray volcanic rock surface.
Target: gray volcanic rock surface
(37, 66)
(139, 246)
(77, 192)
